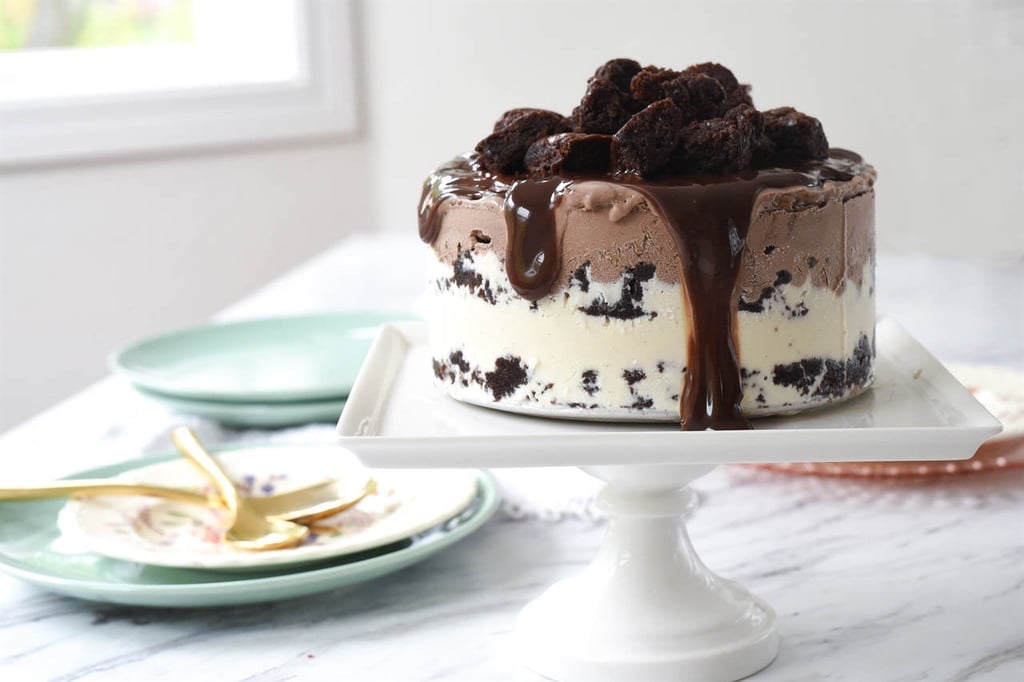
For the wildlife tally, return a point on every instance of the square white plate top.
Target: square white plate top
(397, 417)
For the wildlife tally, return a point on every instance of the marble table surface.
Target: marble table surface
(875, 581)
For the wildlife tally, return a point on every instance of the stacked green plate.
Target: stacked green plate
(271, 372)
(34, 549)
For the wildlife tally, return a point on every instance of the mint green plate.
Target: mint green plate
(31, 550)
(272, 360)
(258, 415)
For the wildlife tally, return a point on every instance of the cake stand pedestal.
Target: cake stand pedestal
(647, 608)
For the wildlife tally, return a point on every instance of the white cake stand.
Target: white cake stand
(647, 608)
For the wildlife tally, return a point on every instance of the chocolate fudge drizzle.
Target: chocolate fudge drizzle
(709, 223)
(461, 178)
(532, 259)
(709, 218)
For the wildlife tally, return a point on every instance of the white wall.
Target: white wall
(930, 91)
(92, 256)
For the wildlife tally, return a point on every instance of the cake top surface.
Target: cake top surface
(651, 122)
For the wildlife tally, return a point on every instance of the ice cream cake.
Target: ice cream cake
(667, 251)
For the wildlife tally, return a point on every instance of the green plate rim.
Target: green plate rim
(144, 380)
(253, 415)
(296, 583)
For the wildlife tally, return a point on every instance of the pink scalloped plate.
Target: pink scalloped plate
(999, 389)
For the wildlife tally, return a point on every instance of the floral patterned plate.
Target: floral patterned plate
(163, 533)
(32, 549)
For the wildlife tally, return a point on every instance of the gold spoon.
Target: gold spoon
(302, 505)
(249, 529)
(307, 505)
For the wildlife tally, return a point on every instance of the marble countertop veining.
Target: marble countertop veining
(885, 581)
(870, 582)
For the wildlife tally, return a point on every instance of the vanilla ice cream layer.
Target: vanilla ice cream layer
(619, 347)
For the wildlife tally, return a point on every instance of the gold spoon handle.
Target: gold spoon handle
(302, 505)
(86, 487)
(249, 530)
(193, 450)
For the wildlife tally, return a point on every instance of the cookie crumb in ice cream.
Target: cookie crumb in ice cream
(508, 375)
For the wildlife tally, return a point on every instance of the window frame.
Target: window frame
(319, 101)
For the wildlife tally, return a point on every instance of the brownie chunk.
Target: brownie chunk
(698, 97)
(652, 121)
(604, 108)
(735, 92)
(675, 89)
(503, 150)
(740, 95)
(512, 115)
(707, 97)
(719, 145)
(572, 153)
(795, 136)
(720, 73)
(647, 86)
(746, 116)
(619, 72)
(645, 144)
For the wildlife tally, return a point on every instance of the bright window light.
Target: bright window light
(220, 43)
(35, 24)
(82, 79)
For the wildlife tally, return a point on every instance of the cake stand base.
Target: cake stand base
(647, 608)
